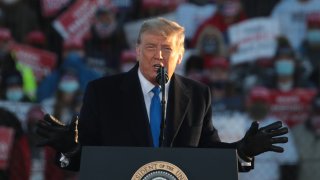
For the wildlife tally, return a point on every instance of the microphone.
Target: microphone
(162, 78)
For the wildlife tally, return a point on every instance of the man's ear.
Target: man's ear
(179, 58)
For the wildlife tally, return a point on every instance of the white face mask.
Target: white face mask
(10, 2)
(14, 94)
(313, 36)
(69, 86)
(284, 67)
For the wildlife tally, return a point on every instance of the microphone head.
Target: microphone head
(162, 76)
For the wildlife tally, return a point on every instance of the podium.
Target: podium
(125, 163)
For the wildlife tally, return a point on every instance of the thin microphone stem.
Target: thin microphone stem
(163, 80)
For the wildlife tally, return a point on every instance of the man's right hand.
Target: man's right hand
(61, 137)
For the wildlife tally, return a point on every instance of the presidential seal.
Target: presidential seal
(159, 170)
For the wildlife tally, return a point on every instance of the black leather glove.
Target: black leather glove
(63, 138)
(257, 141)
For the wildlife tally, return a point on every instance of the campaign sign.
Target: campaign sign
(40, 61)
(191, 16)
(51, 7)
(253, 39)
(292, 107)
(76, 21)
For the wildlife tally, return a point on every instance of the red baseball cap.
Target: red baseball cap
(5, 34)
(313, 19)
(36, 37)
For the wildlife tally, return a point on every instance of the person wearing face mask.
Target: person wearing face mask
(74, 58)
(307, 138)
(284, 66)
(310, 49)
(13, 90)
(292, 17)
(313, 29)
(8, 63)
(210, 44)
(65, 103)
(107, 40)
(291, 96)
(288, 70)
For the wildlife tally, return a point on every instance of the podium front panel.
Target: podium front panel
(123, 163)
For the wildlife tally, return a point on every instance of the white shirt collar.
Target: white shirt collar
(147, 86)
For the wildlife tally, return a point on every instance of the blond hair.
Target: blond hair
(211, 30)
(163, 27)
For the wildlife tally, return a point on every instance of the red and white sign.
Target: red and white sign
(76, 21)
(254, 38)
(6, 141)
(51, 7)
(40, 61)
(292, 107)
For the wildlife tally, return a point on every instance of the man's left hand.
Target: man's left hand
(259, 140)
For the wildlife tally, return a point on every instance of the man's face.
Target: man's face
(155, 50)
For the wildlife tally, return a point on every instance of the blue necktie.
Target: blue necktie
(155, 116)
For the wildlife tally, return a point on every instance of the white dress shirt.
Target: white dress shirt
(147, 87)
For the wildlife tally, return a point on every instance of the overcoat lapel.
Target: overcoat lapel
(177, 107)
(136, 115)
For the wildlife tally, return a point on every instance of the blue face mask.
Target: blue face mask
(69, 86)
(14, 94)
(284, 67)
(313, 36)
(209, 46)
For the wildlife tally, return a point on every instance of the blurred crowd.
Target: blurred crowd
(44, 71)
